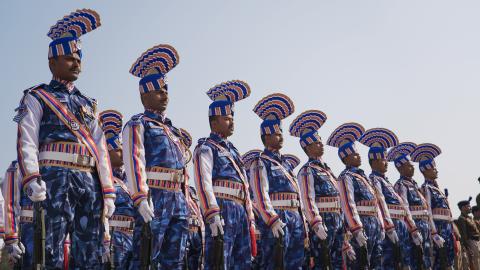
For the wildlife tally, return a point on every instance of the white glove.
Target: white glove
(351, 254)
(216, 226)
(392, 235)
(277, 228)
(106, 251)
(382, 235)
(361, 238)
(417, 238)
(37, 192)
(146, 211)
(15, 251)
(439, 241)
(109, 207)
(320, 231)
(2, 244)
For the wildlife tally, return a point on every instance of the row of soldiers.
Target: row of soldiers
(119, 196)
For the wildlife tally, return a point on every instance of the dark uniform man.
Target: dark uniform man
(438, 206)
(469, 236)
(155, 160)
(359, 199)
(62, 154)
(222, 182)
(320, 194)
(396, 246)
(121, 248)
(276, 192)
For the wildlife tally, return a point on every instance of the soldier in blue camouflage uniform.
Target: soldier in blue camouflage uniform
(155, 159)
(320, 194)
(119, 249)
(396, 215)
(222, 182)
(359, 201)
(275, 189)
(62, 154)
(407, 189)
(441, 222)
(247, 160)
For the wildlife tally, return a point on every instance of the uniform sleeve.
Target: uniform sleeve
(428, 197)
(27, 139)
(348, 203)
(134, 162)
(383, 207)
(11, 193)
(104, 167)
(307, 195)
(203, 165)
(260, 192)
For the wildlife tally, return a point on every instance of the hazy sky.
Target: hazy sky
(411, 66)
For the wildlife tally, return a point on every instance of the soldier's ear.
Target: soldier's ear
(51, 64)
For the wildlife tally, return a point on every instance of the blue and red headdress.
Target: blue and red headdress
(344, 138)
(224, 95)
(111, 121)
(249, 157)
(66, 32)
(186, 137)
(272, 109)
(153, 65)
(379, 140)
(305, 126)
(425, 154)
(293, 160)
(400, 154)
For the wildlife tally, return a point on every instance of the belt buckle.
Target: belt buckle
(293, 203)
(82, 160)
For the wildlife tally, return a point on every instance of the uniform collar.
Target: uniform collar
(379, 174)
(318, 162)
(431, 182)
(218, 138)
(275, 155)
(63, 84)
(156, 116)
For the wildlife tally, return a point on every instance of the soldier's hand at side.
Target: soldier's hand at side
(36, 191)
(2, 244)
(109, 207)
(146, 211)
(15, 251)
(392, 235)
(277, 228)
(360, 237)
(417, 238)
(216, 226)
(351, 254)
(438, 240)
(320, 231)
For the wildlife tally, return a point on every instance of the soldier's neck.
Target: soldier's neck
(69, 85)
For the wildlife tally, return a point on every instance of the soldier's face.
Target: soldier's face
(224, 125)
(431, 174)
(274, 141)
(66, 67)
(466, 209)
(116, 158)
(315, 149)
(155, 100)
(406, 170)
(379, 165)
(353, 160)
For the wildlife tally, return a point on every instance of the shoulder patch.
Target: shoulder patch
(135, 120)
(21, 111)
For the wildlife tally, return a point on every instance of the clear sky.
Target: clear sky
(411, 66)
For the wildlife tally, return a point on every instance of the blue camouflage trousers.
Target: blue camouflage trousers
(236, 247)
(169, 229)
(334, 224)
(372, 229)
(404, 243)
(194, 250)
(445, 230)
(293, 240)
(424, 228)
(26, 237)
(74, 205)
(122, 250)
